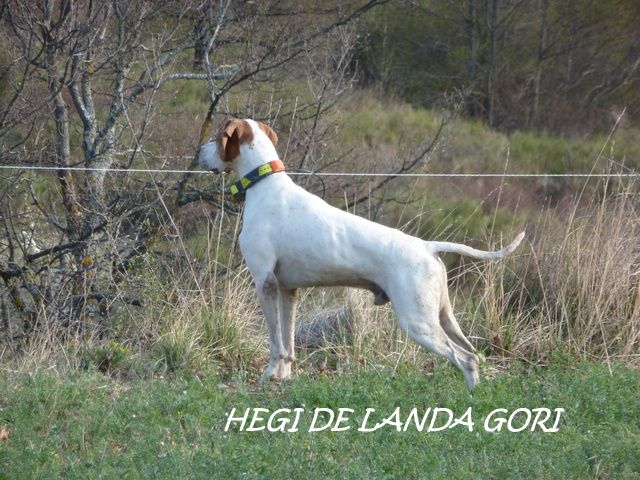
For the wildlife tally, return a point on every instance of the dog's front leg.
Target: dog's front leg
(288, 303)
(268, 294)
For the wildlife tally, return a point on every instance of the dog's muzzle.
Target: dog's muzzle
(217, 171)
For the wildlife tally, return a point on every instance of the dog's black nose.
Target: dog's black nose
(215, 170)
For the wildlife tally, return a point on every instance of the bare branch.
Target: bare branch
(407, 166)
(58, 248)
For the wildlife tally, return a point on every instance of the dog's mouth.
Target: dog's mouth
(216, 171)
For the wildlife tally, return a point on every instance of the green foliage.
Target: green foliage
(106, 358)
(470, 146)
(545, 153)
(388, 123)
(454, 220)
(175, 352)
(228, 338)
(188, 96)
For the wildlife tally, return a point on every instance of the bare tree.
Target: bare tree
(84, 84)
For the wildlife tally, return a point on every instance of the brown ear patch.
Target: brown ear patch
(234, 133)
(269, 131)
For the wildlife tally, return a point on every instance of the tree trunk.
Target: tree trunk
(542, 44)
(493, 61)
(472, 64)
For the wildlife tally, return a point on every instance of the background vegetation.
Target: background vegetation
(126, 279)
(562, 67)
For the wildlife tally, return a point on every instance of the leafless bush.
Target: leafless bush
(87, 85)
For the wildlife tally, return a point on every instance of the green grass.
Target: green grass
(454, 220)
(470, 146)
(91, 426)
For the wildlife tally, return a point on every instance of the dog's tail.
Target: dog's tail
(449, 247)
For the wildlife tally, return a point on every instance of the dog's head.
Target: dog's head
(220, 154)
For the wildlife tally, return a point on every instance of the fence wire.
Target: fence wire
(327, 174)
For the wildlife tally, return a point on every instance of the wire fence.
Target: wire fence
(328, 174)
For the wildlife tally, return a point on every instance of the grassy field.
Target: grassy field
(91, 426)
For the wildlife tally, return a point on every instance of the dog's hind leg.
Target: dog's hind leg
(288, 303)
(448, 321)
(450, 325)
(428, 333)
(421, 320)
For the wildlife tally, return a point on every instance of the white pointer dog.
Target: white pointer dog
(292, 239)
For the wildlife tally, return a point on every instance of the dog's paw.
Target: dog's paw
(269, 378)
(273, 373)
(286, 369)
